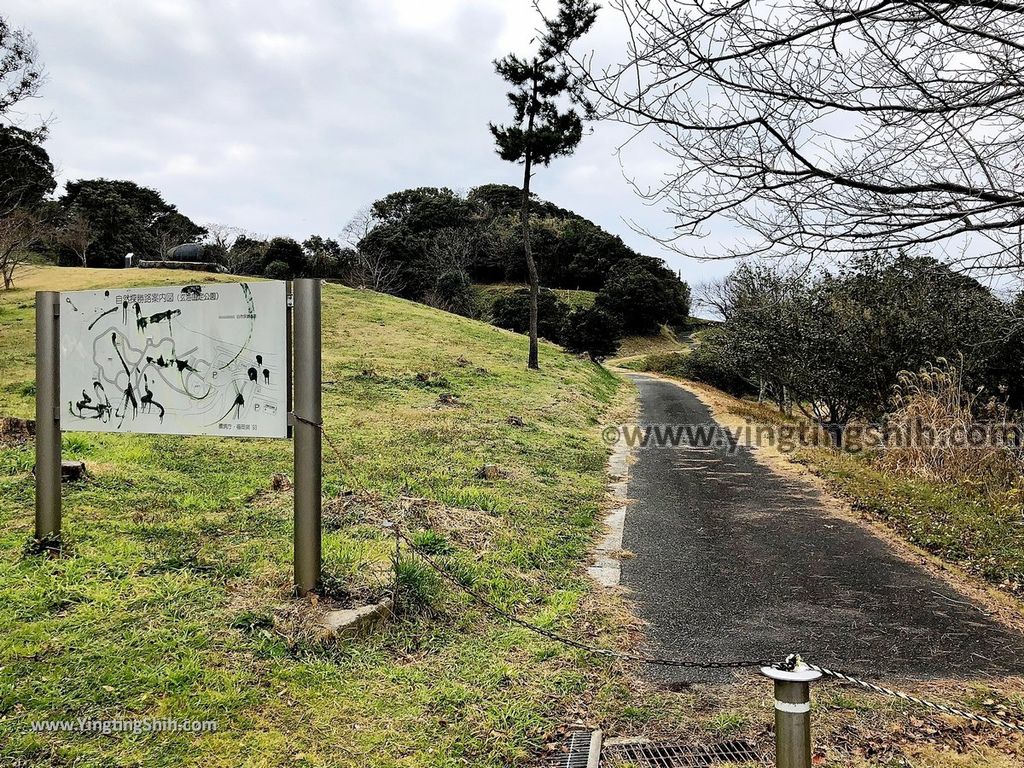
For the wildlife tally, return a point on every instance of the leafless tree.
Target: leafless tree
(77, 234)
(21, 74)
(718, 296)
(358, 227)
(374, 270)
(830, 127)
(451, 248)
(18, 230)
(222, 236)
(449, 252)
(371, 268)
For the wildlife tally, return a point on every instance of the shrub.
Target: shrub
(277, 270)
(707, 363)
(453, 292)
(593, 331)
(512, 311)
(934, 401)
(290, 252)
(432, 543)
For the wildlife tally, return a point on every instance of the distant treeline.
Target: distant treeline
(429, 244)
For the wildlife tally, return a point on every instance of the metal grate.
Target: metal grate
(650, 755)
(574, 754)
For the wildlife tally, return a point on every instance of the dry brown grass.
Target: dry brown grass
(934, 403)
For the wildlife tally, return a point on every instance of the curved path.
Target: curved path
(735, 561)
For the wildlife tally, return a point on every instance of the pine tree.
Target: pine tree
(540, 130)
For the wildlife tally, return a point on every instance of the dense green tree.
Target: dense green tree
(399, 234)
(512, 311)
(126, 218)
(506, 200)
(645, 295)
(278, 270)
(452, 291)
(324, 256)
(834, 344)
(26, 173)
(286, 251)
(592, 331)
(541, 130)
(246, 255)
(404, 227)
(911, 310)
(422, 209)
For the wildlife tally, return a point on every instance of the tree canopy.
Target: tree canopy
(834, 344)
(571, 251)
(126, 218)
(26, 173)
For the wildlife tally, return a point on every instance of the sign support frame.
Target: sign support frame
(304, 397)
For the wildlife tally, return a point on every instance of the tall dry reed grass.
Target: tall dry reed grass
(955, 436)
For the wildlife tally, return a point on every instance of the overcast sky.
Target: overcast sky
(284, 118)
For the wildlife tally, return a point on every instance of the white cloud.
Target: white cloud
(279, 46)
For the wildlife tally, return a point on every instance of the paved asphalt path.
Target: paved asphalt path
(734, 561)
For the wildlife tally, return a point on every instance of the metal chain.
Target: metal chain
(330, 443)
(789, 663)
(525, 624)
(944, 708)
(606, 652)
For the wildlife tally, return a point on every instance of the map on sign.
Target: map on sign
(187, 360)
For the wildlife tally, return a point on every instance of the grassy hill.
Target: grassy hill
(173, 597)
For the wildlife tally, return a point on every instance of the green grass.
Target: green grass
(173, 597)
(489, 292)
(653, 353)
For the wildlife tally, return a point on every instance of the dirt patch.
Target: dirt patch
(469, 528)
(14, 431)
(271, 610)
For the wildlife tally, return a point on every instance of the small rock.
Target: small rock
(515, 421)
(357, 622)
(447, 398)
(280, 482)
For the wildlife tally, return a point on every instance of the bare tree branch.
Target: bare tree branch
(829, 128)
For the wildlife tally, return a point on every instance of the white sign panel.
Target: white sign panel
(185, 360)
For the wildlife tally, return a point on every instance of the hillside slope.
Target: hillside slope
(173, 598)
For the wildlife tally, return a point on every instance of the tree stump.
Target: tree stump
(71, 471)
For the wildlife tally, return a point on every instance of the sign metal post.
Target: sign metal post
(306, 431)
(47, 416)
